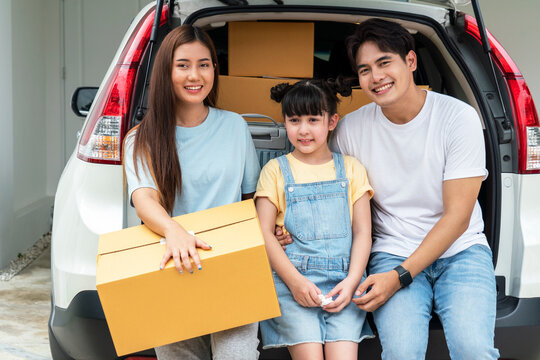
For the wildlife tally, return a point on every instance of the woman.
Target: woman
(187, 156)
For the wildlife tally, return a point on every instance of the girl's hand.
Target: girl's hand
(305, 292)
(345, 289)
(182, 246)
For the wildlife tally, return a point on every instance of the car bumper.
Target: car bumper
(81, 330)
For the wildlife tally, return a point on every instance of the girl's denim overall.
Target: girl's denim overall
(317, 217)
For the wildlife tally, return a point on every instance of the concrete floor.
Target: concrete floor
(24, 312)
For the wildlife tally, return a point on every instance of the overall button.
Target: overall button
(343, 184)
(300, 236)
(291, 189)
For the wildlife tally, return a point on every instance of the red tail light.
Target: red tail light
(106, 125)
(525, 116)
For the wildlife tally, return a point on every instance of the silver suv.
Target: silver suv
(456, 56)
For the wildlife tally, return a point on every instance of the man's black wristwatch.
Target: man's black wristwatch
(405, 278)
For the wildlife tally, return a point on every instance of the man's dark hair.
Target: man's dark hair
(387, 35)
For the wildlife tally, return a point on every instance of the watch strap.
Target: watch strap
(405, 278)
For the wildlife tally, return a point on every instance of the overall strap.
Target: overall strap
(340, 165)
(285, 169)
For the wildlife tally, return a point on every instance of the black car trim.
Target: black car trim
(81, 330)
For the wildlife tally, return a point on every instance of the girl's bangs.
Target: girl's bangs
(303, 100)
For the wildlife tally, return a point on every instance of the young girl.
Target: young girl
(187, 156)
(322, 198)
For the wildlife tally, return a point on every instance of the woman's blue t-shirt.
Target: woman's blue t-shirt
(217, 159)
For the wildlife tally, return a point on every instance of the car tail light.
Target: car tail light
(525, 116)
(107, 124)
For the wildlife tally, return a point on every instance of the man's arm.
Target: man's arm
(459, 198)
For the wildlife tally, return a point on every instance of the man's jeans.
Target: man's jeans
(460, 289)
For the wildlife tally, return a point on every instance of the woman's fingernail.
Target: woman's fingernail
(160, 267)
(191, 271)
(200, 267)
(180, 271)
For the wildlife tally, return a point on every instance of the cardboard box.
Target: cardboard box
(281, 49)
(357, 99)
(146, 307)
(246, 95)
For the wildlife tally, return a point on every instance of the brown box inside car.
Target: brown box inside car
(281, 49)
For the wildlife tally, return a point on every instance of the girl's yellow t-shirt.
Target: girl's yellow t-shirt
(272, 185)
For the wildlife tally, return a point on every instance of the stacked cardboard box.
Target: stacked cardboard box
(264, 54)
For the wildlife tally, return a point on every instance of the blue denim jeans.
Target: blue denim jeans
(460, 289)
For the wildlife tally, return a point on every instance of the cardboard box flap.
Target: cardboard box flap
(197, 222)
(145, 259)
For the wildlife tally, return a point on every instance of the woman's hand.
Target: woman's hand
(345, 289)
(305, 292)
(182, 247)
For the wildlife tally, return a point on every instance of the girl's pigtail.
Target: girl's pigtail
(278, 92)
(341, 86)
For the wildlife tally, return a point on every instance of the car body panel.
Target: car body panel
(90, 203)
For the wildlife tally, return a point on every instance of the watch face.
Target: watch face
(405, 279)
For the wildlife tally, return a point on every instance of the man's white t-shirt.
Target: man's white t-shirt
(407, 165)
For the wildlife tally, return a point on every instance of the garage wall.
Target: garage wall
(93, 29)
(6, 124)
(31, 91)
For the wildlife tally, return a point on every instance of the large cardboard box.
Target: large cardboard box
(246, 95)
(146, 307)
(281, 49)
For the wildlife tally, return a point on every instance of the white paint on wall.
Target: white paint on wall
(54, 100)
(26, 88)
(29, 93)
(93, 31)
(6, 124)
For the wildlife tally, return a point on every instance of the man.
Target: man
(425, 158)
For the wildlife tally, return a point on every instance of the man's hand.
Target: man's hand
(382, 285)
(283, 239)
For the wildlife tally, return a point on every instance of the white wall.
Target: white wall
(515, 25)
(54, 96)
(6, 124)
(92, 36)
(31, 92)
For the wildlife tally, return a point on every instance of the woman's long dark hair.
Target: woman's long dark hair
(155, 139)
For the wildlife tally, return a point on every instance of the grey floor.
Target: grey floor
(24, 311)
